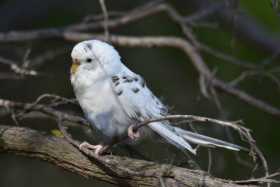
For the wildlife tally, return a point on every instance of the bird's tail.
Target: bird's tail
(181, 138)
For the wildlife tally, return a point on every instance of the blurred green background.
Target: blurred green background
(167, 71)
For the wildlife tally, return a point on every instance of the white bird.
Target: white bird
(113, 98)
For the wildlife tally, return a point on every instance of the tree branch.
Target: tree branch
(58, 151)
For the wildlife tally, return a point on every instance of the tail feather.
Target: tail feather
(167, 132)
(207, 141)
(181, 138)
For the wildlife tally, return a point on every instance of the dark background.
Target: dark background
(167, 71)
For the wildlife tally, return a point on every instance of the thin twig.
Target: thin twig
(106, 18)
(20, 70)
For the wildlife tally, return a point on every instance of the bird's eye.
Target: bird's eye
(88, 60)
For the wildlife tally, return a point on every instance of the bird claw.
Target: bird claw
(98, 149)
(131, 134)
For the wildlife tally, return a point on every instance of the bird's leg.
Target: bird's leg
(98, 149)
(132, 133)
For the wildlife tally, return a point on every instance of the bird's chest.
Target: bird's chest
(94, 91)
(100, 104)
(95, 96)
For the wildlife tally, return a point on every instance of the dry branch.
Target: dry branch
(56, 150)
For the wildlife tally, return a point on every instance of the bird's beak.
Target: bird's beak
(75, 66)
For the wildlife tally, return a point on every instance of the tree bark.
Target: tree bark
(58, 151)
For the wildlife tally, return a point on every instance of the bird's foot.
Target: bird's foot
(132, 134)
(98, 149)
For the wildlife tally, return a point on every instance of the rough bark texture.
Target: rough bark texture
(31, 143)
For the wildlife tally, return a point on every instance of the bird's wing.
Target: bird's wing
(139, 103)
(134, 96)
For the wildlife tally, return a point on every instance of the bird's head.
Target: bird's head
(92, 53)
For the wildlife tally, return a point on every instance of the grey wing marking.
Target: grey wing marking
(137, 100)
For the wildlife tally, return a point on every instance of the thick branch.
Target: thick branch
(56, 150)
